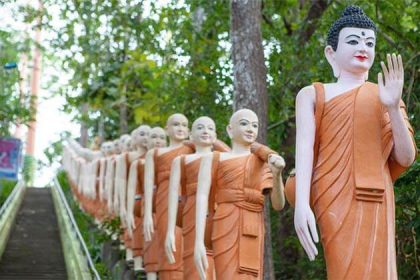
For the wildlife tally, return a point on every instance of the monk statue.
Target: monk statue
(156, 138)
(135, 148)
(156, 173)
(235, 182)
(346, 164)
(184, 173)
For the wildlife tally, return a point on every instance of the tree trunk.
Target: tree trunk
(250, 85)
(123, 113)
(101, 129)
(83, 126)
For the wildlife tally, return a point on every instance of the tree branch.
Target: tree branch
(310, 23)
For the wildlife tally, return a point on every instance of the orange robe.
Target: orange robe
(238, 223)
(162, 165)
(357, 233)
(138, 239)
(190, 177)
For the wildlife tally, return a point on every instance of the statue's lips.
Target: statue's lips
(361, 57)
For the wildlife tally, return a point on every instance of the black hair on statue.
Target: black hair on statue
(352, 16)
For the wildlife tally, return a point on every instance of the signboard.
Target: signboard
(10, 157)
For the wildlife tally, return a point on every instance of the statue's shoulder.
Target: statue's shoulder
(306, 94)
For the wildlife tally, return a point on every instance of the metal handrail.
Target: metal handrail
(76, 228)
(16, 189)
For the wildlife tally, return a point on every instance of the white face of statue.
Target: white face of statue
(143, 135)
(177, 127)
(157, 138)
(134, 138)
(117, 148)
(107, 148)
(243, 127)
(355, 51)
(203, 131)
(129, 145)
(125, 143)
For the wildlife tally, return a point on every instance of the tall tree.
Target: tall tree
(250, 85)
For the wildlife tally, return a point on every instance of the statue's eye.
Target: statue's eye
(370, 44)
(352, 42)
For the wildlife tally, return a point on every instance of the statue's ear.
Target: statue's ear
(330, 55)
(229, 131)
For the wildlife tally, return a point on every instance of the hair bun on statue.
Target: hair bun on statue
(352, 16)
(352, 10)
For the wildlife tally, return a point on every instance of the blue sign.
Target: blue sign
(10, 157)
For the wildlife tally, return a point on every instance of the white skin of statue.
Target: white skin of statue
(203, 135)
(106, 148)
(157, 138)
(121, 176)
(109, 176)
(243, 131)
(350, 62)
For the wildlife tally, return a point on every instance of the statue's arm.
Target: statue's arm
(123, 189)
(304, 219)
(131, 193)
(149, 176)
(102, 167)
(277, 165)
(118, 184)
(203, 190)
(174, 183)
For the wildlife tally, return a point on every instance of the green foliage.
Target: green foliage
(407, 214)
(15, 103)
(6, 187)
(29, 168)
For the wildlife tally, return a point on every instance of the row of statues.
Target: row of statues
(152, 188)
(193, 208)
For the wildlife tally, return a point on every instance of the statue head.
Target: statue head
(177, 127)
(157, 138)
(117, 148)
(351, 43)
(243, 127)
(124, 143)
(142, 135)
(203, 132)
(107, 148)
